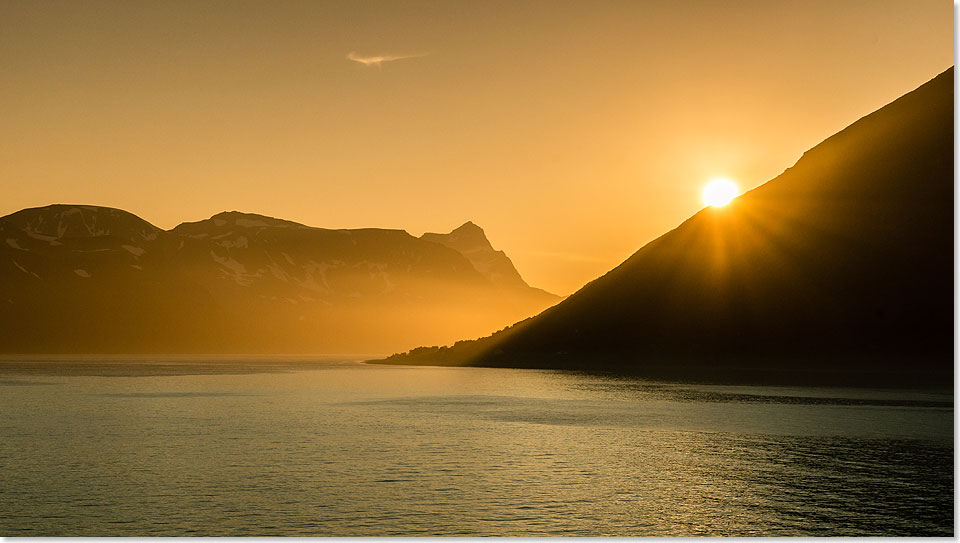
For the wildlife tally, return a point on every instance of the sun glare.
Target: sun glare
(719, 192)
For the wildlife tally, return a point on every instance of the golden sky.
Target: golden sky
(572, 132)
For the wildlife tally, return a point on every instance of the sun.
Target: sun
(719, 192)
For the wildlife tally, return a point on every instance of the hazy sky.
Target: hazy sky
(572, 132)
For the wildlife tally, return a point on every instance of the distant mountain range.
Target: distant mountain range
(89, 279)
(844, 262)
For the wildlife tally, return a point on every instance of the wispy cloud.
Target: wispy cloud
(378, 60)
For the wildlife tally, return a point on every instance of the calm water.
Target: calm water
(339, 448)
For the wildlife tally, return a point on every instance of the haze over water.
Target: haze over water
(285, 447)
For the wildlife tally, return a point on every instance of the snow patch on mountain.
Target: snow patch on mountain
(135, 251)
(52, 240)
(249, 223)
(239, 242)
(315, 277)
(279, 273)
(24, 270)
(235, 270)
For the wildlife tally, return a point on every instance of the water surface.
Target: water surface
(258, 446)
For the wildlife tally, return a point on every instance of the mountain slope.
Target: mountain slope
(843, 261)
(470, 241)
(95, 279)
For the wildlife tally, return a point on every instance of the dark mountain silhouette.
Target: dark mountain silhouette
(94, 279)
(844, 262)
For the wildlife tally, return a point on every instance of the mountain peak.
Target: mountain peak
(466, 237)
(235, 219)
(251, 220)
(469, 240)
(57, 221)
(467, 226)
